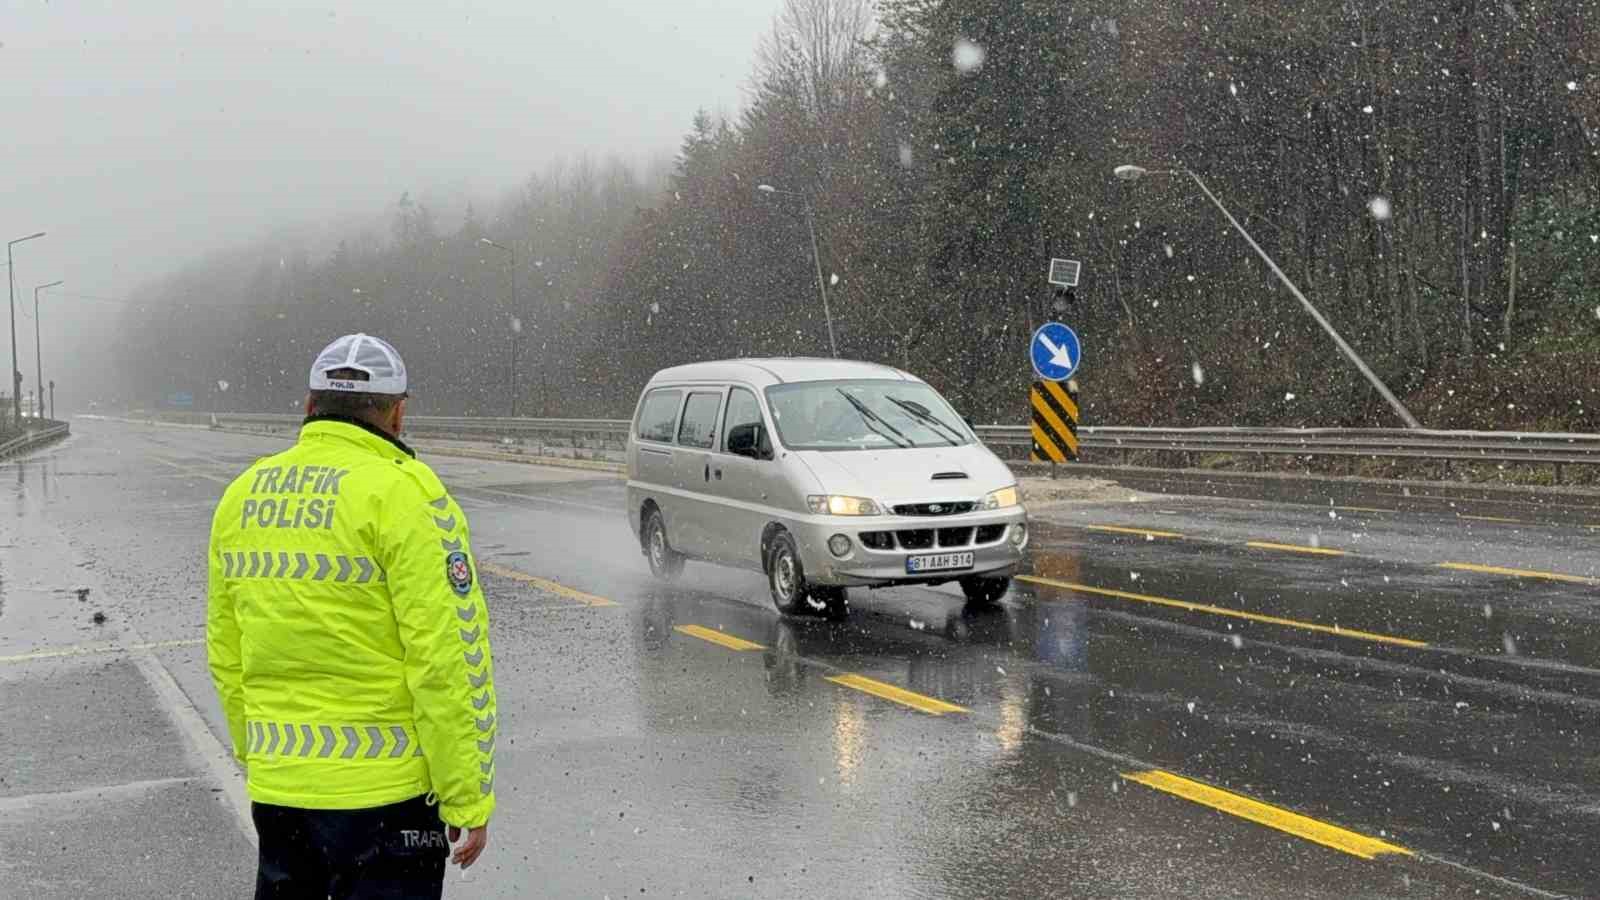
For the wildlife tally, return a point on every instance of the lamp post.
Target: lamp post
(38, 356)
(816, 258)
(11, 292)
(1134, 173)
(516, 323)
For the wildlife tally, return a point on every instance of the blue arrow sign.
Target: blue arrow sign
(1056, 352)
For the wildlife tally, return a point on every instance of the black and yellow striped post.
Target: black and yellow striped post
(1055, 422)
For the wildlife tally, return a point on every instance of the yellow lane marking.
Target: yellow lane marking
(717, 637)
(546, 584)
(190, 470)
(931, 705)
(90, 649)
(1142, 532)
(1491, 519)
(1296, 548)
(1313, 830)
(1519, 573)
(1230, 613)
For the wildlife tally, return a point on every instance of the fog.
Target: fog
(141, 136)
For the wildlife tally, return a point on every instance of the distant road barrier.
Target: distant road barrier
(605, 439)
(39, 433)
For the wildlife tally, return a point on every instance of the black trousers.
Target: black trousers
(394, 852)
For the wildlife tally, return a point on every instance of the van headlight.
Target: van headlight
(835, 505)
(1001, 499)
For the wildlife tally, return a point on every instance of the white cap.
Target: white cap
(386, 374)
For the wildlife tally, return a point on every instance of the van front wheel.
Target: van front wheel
(982, 591)
(786, 576)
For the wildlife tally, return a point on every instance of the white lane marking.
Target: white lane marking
(536, 499)
(216, 759)
(128, 791)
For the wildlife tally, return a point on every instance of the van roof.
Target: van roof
(778, 370)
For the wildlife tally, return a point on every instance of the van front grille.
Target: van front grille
(955, 537)
(877, 540)
(953, 508)
(929, 538)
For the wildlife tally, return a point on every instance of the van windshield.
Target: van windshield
(864, 415)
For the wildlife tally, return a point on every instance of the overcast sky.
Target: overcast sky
(140, 134)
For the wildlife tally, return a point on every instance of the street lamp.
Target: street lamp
(515, 321)
(11, 292)
(1134, 173)
(816, 258)
(38, 357)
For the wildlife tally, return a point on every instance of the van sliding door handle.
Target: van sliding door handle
(708, 471)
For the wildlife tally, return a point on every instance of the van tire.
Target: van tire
(833, 602)
(983, 591)
(665, 562)
(786, 576)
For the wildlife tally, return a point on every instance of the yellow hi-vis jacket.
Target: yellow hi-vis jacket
(347, 634)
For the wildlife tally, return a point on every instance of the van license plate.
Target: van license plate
(938, 562)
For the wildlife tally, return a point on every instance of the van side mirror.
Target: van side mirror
(749, 441)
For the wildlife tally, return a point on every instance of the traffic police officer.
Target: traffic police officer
(349, 643)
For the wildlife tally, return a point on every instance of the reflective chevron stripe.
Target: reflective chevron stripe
(304, 740)
(281, 564)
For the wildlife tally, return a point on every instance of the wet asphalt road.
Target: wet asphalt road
(1190, 698)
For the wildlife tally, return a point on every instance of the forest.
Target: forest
(1426, 171)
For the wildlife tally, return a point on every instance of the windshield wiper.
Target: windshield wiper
(869, 417)
(921, 412)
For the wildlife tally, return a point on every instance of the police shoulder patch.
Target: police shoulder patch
(458, 571)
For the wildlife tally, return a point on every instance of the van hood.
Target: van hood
(906, 475)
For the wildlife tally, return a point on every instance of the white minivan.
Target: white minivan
(824, 475)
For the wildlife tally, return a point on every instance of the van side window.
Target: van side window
(658, 414)
(699, 426)
(743, 409)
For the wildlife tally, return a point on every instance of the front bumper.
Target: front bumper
(988, 536)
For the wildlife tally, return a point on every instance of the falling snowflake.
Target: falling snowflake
(1380, 209)
(967, 56)
(881, 79)
(655, 308)
(1367, 109)
(905, 155)
(1199, 375)
(1169, 251)
(1572, 85)
(833, 278)
(1289, 396)
(1233, 89)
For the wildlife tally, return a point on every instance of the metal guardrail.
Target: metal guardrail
(608, 436)
(46, 432)
(1546, 448)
